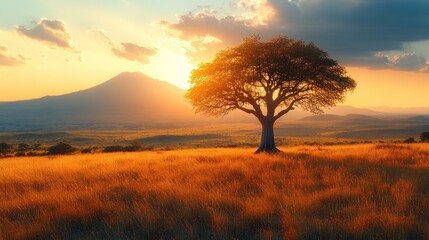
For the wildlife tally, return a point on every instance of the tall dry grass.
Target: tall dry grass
(343, 192)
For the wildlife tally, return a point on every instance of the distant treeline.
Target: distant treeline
(63, 148)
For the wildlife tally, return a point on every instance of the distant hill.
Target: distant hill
(333, 117)
(126, 98)
(134, 100)
(323, 117)
(344, 110)
(410, 110)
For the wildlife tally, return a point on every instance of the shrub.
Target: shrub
(61, 148)
(87, 150)
(424, 137)
(133, 147)
(20, 154)
(409, 140)
(23, 147)
(37, 146)
(114, 148)
(148, 148)
(167, 148)
(5, 148)
(31, 153)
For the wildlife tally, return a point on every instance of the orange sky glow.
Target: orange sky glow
(46, 50)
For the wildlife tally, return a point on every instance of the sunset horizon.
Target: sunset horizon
(202, 119)
(45, 50)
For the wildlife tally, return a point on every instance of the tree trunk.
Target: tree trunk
(267, 138)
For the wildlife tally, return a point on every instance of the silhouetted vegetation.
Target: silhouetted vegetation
(61, 148)
(113, 148)
(5, 149)
(23, 147)
(133, 147)
(409, 140)
(33, 154)
(424, 137)
(20, 154)
(268, 80)
(87, 150)
(37, 146)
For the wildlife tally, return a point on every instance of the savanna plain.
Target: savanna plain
(360, 191)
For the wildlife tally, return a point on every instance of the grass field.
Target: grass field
(307, 192)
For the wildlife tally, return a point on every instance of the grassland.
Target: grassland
(307, 192)
(316, 129)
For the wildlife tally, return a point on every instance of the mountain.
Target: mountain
(348, 118)
(134, 100)
(344, 110)
(410, 111)
(322, 117)
(127, 98)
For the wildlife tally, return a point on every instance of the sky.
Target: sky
(55, 47)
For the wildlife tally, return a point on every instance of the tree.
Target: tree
(5, 149)
(268, 80)
(23, 147)
(61, 148)
(424, 137)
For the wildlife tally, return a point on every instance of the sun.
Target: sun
(172, 67)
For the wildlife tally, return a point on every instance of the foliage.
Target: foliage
(20, 154)
(23, 147)
(282, 73)
(61, 148)
(409, 140)
(424, 137)
(306, 192)
(269, 79)
(133, 147)
(87, 150)
(113, 148)
(37, 146)
(5, 148)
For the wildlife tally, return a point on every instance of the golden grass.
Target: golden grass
(338, 192)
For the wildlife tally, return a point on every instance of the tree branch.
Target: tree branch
(288, 109)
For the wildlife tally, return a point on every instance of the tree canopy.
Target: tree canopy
(269, 79)
(424, 137)
(61, 148)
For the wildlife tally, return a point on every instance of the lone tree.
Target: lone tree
(268, 79)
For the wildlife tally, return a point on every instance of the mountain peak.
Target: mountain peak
(134, 82)
(131, 75)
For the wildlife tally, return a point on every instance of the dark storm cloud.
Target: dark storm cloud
(358, 26)
(353, 31)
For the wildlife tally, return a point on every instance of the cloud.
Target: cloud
(408, 62)
(7, 60)
(134, 52)
(52, 32)
(258, 12)
(102, 34)
(394, 60)
(203, 33)
(350, 27)
(352, 31)
(126, 50)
